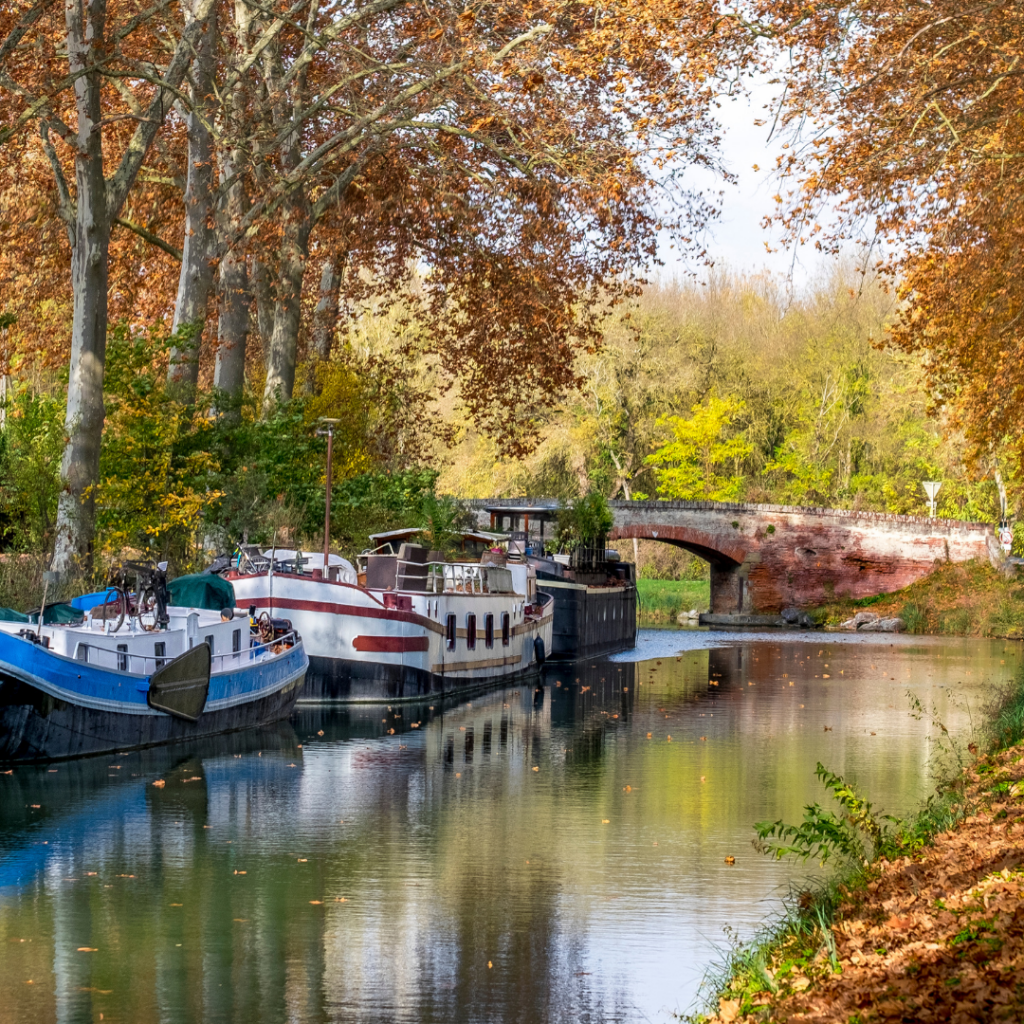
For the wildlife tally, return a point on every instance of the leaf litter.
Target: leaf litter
(937, 936)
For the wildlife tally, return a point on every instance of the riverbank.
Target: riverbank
(958, 599)
(932, 932)
(661, 601)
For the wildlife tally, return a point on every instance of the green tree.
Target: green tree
(583, 522)
(689, 467)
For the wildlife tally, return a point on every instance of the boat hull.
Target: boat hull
(590, 621)
(43, 719)
(361, 649)
(337, 679)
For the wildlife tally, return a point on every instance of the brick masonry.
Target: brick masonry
(768, 557)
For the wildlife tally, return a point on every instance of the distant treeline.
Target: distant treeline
(735, 389)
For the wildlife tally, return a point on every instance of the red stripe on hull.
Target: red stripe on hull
(391, 644)
(282, 604)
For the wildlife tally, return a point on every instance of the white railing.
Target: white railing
(147, 664)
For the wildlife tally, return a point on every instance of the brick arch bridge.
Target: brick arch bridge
(768, 557)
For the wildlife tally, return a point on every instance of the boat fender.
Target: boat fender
(538, 650)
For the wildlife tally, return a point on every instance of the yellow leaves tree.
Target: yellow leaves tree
(691, 466)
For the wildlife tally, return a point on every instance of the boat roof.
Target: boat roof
(545, 511)
(481, 536)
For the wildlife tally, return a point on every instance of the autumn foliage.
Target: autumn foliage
(906, 128)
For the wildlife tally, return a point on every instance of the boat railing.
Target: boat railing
(444, 577)
(147, 664)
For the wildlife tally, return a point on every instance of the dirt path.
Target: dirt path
(937, 937)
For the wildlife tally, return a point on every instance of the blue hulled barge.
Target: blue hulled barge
(88, 688)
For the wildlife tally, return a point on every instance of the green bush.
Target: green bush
(584, 522)
(914, 617)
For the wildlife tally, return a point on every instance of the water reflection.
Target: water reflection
(535, 854)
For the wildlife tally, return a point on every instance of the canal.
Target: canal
(534, 854)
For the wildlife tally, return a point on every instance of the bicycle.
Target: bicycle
(148, 604)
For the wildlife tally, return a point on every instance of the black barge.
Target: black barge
(595, 609)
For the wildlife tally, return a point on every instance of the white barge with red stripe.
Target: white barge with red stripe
(417, 628)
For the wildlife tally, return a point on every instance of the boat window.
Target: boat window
(122, 657)
(160, 650)
(489, 630)
(209, 642)
(82, 652)
(236, 641)
(450, 632)
(506, 629)
(471, 631)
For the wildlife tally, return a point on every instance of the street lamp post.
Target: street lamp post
(931, 488)
(327, 430)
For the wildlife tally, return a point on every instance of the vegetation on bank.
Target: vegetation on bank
(921, 915)
(661, 601)
(958, 599)
(737, 388)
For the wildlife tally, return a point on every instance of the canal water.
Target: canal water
(535, 854)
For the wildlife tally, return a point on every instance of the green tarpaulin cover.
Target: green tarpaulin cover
(54, 614)
(202, 591)
(60, 614)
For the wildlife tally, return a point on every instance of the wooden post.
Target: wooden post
(328, 430)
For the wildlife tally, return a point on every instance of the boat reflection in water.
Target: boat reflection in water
(243, 877)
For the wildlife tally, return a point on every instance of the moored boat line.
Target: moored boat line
(411, 626)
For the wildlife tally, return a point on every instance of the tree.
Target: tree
(517, 153)
(688, 466)
(86, 110)
(907, 124)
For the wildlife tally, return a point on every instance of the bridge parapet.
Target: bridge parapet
(768, 557)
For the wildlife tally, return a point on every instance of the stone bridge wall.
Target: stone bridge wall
(768, 557)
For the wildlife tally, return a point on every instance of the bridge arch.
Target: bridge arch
(726, 556)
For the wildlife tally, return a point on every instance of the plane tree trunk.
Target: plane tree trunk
(325, 316)
(90, 235)
(89, 216)
(196, 279)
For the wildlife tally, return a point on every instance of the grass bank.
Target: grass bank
(929, 926)
(661, 601)
(961, 599)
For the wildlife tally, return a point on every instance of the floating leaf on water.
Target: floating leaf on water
(240, 872)
(730, 860)
(302, 860)
(159, 783)
(315, 903)
(489, 965)
(87, 949)
(606, 821)
(702, 778)
(536, 768)
(649, 735)
(320, 733)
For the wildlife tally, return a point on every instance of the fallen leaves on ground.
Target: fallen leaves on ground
(936, 937)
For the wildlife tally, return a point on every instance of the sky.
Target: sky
(737, 239)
